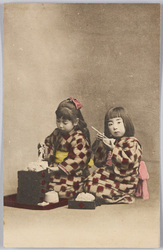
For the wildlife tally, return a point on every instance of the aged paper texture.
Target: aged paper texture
(103, 55)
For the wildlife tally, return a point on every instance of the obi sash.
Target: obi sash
(60, 156)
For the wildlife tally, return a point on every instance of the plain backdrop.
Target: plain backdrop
(102, 54)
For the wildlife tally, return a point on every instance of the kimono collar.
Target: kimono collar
(67, 135)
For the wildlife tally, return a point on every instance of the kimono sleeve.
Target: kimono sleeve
(78, 156)
(126, 156)
(100, 153)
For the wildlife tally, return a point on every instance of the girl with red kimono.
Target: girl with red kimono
(117, 154)
(68, 150)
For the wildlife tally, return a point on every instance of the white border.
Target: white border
(1, 99)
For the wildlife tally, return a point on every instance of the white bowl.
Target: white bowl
(51, 197)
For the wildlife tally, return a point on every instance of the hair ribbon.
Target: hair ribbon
(78, 105)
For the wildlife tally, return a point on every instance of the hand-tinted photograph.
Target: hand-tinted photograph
(81, 125)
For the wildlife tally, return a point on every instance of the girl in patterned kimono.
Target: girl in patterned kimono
(68, 150)
(117, 154)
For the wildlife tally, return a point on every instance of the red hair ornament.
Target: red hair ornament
(78, 104)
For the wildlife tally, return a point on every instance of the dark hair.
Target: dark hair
(119, 112)
(68, 111)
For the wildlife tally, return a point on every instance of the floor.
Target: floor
(108, 226)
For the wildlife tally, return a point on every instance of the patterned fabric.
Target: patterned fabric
(68, 181)
(116, 183)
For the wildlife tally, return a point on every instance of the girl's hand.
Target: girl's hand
(109, 142)
(100, 136)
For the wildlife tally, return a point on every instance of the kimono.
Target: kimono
(72, 153)
(116, 179)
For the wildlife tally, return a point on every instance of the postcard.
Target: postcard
(81, 125)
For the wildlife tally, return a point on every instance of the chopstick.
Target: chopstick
(98, 132)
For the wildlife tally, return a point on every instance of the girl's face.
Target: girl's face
(116, 127)
(65, 126)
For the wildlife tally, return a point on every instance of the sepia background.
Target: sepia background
(102, 54)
